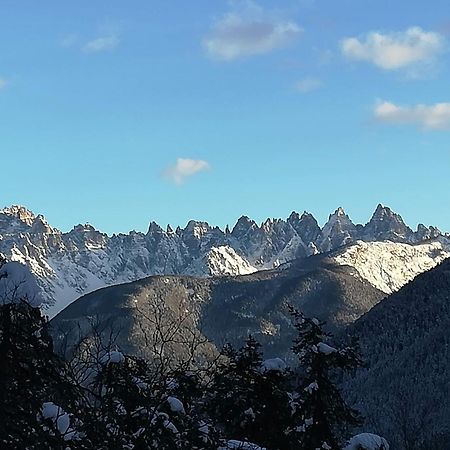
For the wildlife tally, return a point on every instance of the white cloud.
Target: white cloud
(394, 51)
(3, 83)
(248, 30)
(185, 168)
(428, 117)
(101, 44)
(308, 85)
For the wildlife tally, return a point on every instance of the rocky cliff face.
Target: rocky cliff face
(68, 265)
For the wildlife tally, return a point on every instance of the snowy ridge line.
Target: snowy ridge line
(69, 265)
(388, 266)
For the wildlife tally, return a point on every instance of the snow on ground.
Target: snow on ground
(273, 365)
(388, 265)
(367, 441)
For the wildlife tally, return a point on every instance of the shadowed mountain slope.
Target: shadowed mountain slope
(222, 309)
(405, 340)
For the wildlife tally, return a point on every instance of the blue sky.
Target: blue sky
(117, 113)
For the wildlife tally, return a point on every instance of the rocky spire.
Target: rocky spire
(385, 224)
(339, 230)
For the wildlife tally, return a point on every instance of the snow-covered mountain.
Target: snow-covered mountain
(68, 265)
(388, 265)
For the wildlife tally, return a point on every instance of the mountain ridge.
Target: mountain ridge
(68, 265)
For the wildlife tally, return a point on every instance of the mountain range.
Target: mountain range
(382, 283)
(69, 265)
(403, 389)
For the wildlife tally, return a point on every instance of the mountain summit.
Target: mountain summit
(385, 224)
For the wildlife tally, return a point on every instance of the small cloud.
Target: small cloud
(185, 168)
(247, 31)
(69, 40)
(3, 83)
(101, 44)
(397, 50)
(427, 117)
(308, 85)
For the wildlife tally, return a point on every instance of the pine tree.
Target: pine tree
(30, 376)
(323, 414)
(248, 403)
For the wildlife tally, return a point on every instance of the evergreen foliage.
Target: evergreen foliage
(30, 374)
(324, 414)
(248, 402)
(103, 399)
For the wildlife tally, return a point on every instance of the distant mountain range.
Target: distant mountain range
(385, 251)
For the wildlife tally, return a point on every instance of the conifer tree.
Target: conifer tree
(323, 414)
(30, 376)
(248, 402)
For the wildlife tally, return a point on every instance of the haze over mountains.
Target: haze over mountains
(68, 265)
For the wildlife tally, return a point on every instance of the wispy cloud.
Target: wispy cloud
(427, 117)
(248, 30)
(308, 84)
(69, 40)
(3, 83)
(396, 50)
(101, 44)
(107, 38)
(185, 168)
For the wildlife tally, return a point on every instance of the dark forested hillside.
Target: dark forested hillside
(222, 309)
(405, 341)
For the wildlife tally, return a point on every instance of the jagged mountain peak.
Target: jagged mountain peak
(197, 228)
(338, 231)
(83, 228)
(386, 224)
(154, 228)
(306, 215)
(305, 226)
(19, 212)
(85, 236)
(243, 225)
(424, 233)
(340, 212)
(382, 211)
(40, 225)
